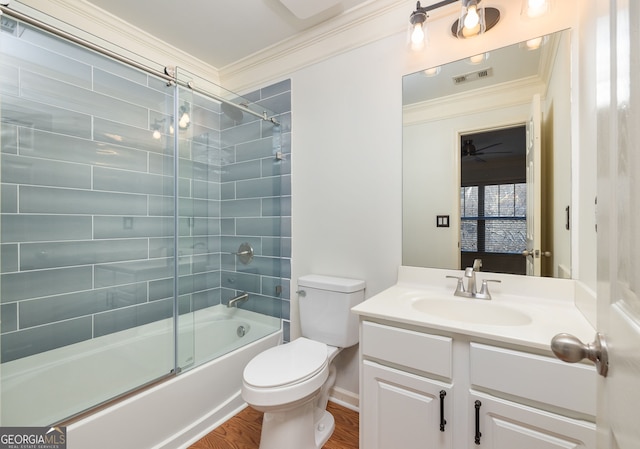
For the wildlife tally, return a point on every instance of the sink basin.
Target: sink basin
(472, 311)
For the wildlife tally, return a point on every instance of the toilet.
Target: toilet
(290, 383)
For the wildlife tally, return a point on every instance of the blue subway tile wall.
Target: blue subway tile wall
(87, 229)
(256, 204)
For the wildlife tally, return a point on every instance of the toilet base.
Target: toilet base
(298, 428)
(324, 428)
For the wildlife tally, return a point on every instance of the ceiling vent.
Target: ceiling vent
(473, 76)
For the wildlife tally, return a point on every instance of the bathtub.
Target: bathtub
(218, 341)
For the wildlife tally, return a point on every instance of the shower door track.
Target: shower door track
(167, 74)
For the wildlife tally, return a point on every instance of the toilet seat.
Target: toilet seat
(285, 373)
(286, 364)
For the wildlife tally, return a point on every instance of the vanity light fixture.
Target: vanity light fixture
(535, 8)
(418, 28)
(473, 20)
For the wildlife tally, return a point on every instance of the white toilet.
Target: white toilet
(290, 383)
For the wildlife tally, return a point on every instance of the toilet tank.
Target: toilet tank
(325, 309)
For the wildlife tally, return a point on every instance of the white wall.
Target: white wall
(346, 174)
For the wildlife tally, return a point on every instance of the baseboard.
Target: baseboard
(345, 398)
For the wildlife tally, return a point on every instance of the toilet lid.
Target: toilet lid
(286, 364)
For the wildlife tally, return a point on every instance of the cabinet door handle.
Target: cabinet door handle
(478, 434)
(443, 421)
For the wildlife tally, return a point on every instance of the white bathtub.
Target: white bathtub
(169, 415)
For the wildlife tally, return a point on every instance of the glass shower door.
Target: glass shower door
(87, 230)
(230, 176)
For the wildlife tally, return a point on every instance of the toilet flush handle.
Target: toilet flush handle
(301, 293)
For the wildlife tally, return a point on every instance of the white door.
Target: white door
(534, 188)
(619, 220)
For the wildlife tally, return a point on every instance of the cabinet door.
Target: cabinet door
(403, 410)
(507, 425)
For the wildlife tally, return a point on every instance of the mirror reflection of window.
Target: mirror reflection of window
(500, 227)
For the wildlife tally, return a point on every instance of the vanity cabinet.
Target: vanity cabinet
(530, 401)
(503, 424)
(404, 410)
(406, 380)
(492, 397)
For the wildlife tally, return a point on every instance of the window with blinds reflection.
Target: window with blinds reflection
(493, 218)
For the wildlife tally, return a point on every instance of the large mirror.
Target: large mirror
(487, 161)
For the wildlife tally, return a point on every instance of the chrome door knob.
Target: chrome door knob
(570, 349)
(536, 253)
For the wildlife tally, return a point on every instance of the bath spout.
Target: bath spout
(236, 299)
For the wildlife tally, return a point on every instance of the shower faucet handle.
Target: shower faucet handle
(244, 253)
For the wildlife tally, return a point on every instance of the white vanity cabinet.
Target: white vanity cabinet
(506, 424)
(401, 407)
(493, 397)
(528, 401)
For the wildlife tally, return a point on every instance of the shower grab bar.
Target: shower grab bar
(166, 75)
(236, 299)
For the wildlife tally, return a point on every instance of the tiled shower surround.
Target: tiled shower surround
(87, 225)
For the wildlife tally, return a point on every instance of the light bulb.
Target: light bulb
(536, 8)
(156, 134)
(471, 20)
(417, 37)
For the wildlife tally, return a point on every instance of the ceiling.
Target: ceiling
(221, 32)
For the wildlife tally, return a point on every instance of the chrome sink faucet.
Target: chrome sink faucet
(472, 291)
(470, 274)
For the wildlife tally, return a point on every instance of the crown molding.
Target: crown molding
(548, 58)
(504, 95)
(359, 26)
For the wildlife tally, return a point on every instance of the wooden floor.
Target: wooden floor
(243, 431)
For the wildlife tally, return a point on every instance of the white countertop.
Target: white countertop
(548, 303)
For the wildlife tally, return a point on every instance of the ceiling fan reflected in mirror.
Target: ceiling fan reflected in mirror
(468, 149)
